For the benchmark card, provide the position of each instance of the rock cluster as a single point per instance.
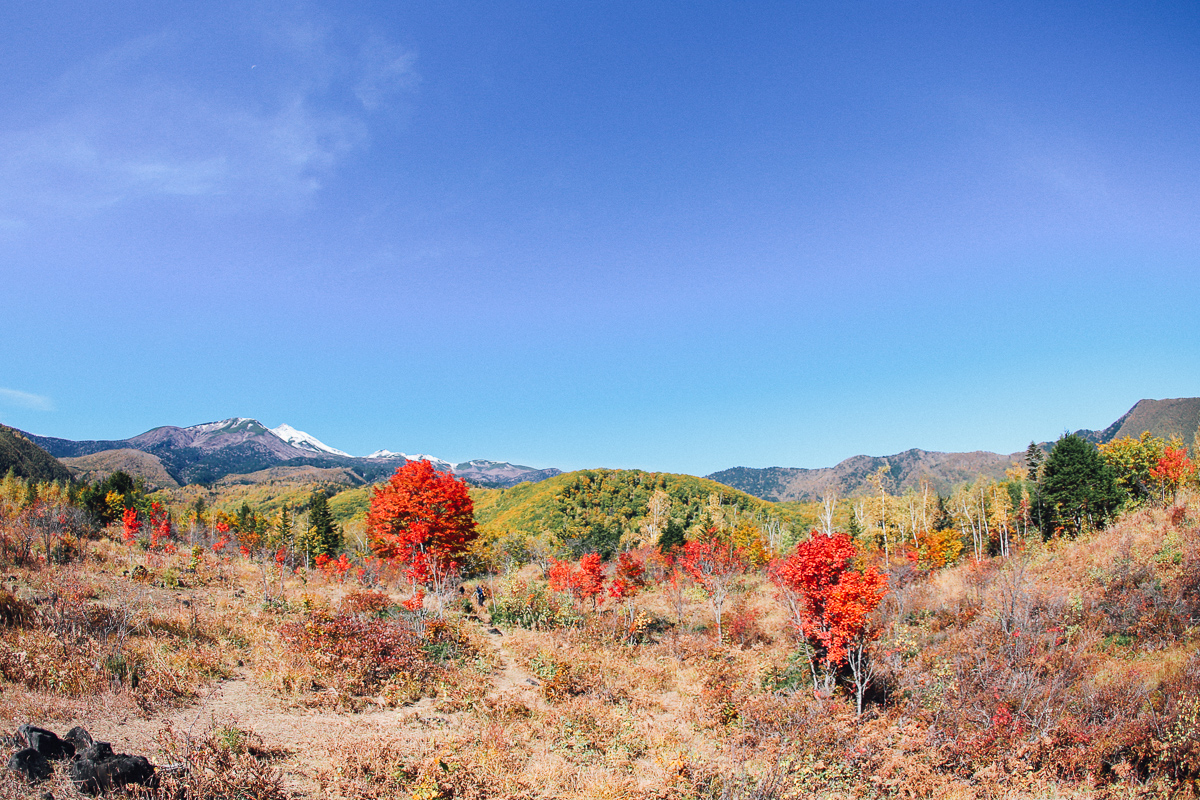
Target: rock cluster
(92, 766)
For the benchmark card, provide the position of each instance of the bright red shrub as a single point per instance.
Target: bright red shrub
(424, 520)
(831, 602)
(1172, 469)
(131, 525)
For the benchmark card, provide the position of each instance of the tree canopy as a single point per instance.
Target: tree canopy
(423, 519)
(1079, 490)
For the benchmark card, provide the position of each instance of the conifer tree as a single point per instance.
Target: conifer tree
(322, 537)
(1078, 488)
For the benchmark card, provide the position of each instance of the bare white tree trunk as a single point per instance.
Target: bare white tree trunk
(828, 506)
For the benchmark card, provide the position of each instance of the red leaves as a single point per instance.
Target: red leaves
(131, 525)
(830, 602)
(590, 578)
(585, 582)
(160, 524)
(712, 563)
(630, 578)
(1172, 468)
(423, 519)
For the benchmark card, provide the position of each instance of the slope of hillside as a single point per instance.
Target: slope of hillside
(1164, 418)
(26, 459)
(305, 473)
(592, 507)
(904, 470)
(98, 466)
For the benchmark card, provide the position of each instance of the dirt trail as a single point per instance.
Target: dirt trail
(513, 680)
(308, 734)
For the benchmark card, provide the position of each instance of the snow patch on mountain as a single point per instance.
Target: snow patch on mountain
(305, 441)
(440, 464)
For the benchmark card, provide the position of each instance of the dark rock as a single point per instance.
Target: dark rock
(45, 742)
(31, 764)
(495, 631)
(98, 777)
(99, 751)
(79, 737)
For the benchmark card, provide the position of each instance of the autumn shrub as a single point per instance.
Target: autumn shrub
(939, 548)
(376, 769)
(588, 730)
(357, 656)
(563, 677)
(1004, 681)
(745, 625)
(533, 605)
(1167, 746)
(223, 762)
(371, 602)
(449, 641)
(39, 660)
(14, 612)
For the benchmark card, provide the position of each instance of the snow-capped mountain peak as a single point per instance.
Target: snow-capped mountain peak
(305, 441)
(440, 464)
(386, 454)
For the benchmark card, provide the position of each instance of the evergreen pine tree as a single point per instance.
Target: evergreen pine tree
(1034, 458)
(672, 536)
(855, 528)
(322, 537)
(1078, 488)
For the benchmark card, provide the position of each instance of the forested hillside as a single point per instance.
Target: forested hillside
(601, 509)
(26, 459)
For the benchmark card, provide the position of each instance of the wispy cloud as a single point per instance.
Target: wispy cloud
(386, 71)
(33, 402)
(120, 128)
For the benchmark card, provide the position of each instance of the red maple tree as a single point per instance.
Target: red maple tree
(584, 581)
(629, 577)
(625, 585)
(423, 520)
(131, 524)
(1171, 469)
(830, 603)
(715, 566)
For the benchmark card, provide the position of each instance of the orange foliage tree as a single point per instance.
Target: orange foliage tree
(715, 566)
(1171, 470)
(628, 580)
(423, 520)
(584, 582)
(830, 604)
(131, 525)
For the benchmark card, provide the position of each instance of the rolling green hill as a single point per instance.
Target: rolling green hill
(595, 508)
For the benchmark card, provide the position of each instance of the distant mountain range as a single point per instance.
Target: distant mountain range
(244, 450)
(1165, 418)
(173, 456)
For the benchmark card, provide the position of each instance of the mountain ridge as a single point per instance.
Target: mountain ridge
(1170, 417)
(211, 451)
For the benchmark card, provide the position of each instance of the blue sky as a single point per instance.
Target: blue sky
(672, 236)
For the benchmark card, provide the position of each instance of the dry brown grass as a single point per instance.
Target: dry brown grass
(1067, 671)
